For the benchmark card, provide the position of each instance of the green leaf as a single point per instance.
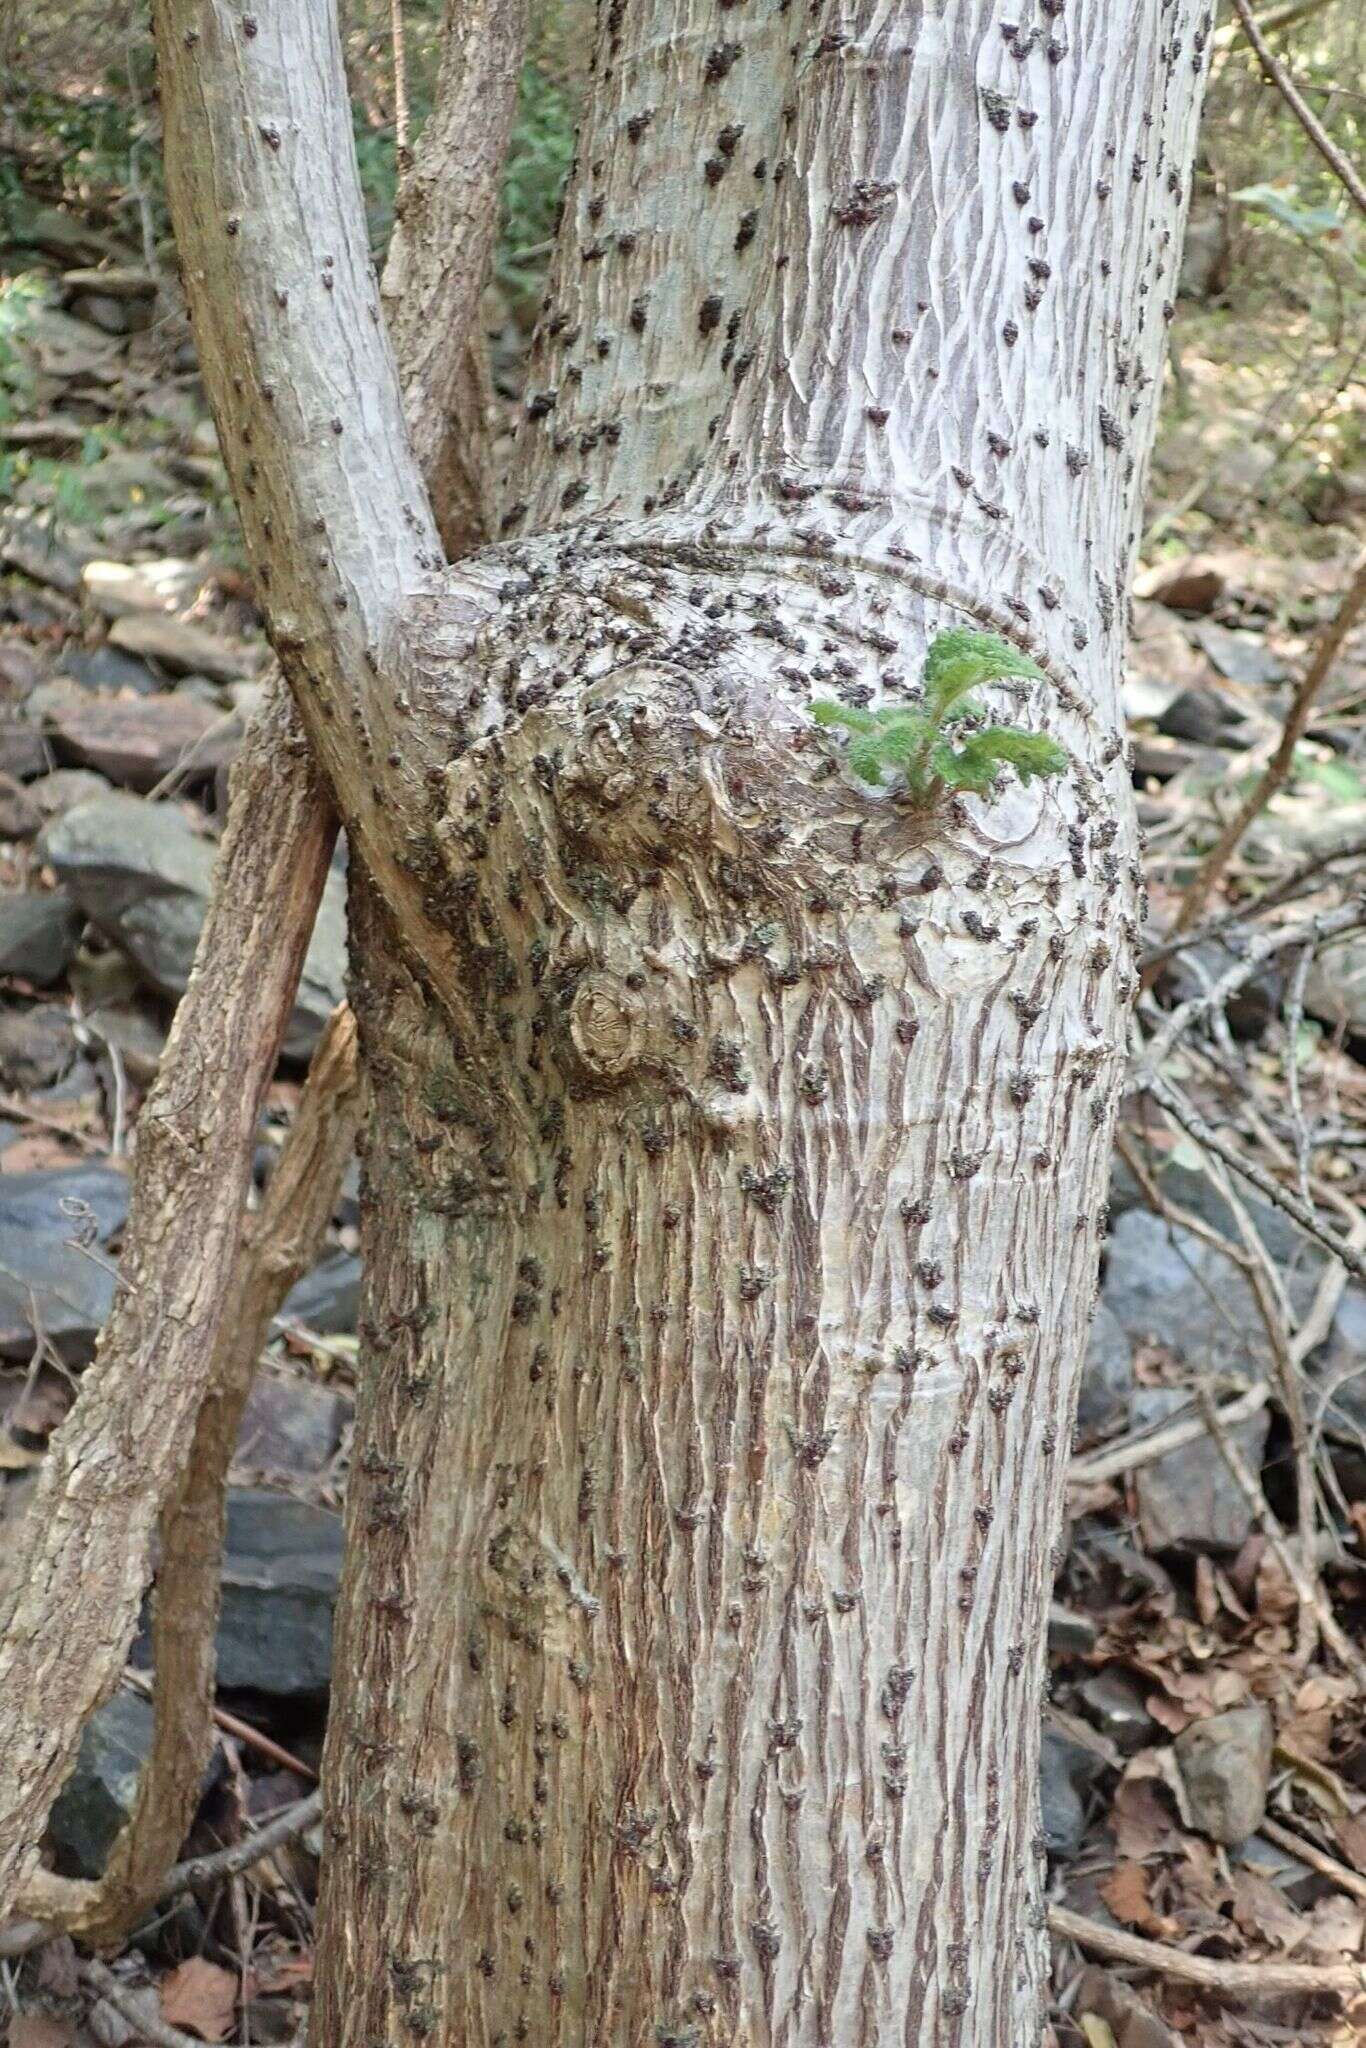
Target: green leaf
(1030, 754)
(826, 711)
(958, 661)
(1308, 221)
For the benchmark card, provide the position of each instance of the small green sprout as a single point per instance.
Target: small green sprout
(918, 742)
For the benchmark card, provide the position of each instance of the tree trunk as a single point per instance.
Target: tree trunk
(733, 1196)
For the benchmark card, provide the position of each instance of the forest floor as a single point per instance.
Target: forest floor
(1204, 1774)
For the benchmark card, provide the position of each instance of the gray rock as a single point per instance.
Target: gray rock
(98, 1797)
(1225, 1765)
(1115, 1705)
(1066, 1774)
(54, 794)
(1107, 1376)
(1199, 715)
(20, 817)
(184, 649)
(1165, 1285)
(281, 1571)
(289, 1426)
(37, 1046)
(42, 1267)
(141, 874)
(39, 932)
(1189, 1500)
(137, 742)
(1242, 657)
(327, 1299)
(108, 668)
(1339, 1387)
(1070, 1633)
(47, 1201)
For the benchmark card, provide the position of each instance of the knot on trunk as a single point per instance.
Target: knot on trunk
(606, 1028)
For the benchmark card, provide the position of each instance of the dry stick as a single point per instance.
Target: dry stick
(83, 1552)
(1270, 899)
(1321, 662)
(1340, 165)
(1190, 1120)
(120, 1996)
(402, 123)
(281, 1243)
(1307, 1588)
(1135, 1451)
(1251, 1981)
(1318, 1859)
(196, 1874)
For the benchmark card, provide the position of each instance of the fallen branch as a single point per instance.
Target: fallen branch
(1317, 1859)
(1278, 770)
(1135, 1451)
(196, 1874)
(129, 2007)
(1251, 1981)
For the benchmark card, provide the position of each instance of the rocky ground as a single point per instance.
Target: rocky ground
(1204, 1769)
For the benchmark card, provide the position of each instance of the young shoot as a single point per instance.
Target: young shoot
(926, 745)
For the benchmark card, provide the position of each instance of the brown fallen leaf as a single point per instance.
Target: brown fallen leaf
(1125, 1892)
(201, 1998)
(38, 2030)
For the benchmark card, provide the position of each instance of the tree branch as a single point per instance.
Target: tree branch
(445, 221)
(1340, 165)
(1278, 771)
(265, 196)
(83, 1550)
(280, 1243)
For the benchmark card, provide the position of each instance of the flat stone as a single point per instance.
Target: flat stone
(1165, 1285)
(62, 789)
(1242, 657)
(59, 1199)
(182, 648)
(107, 668)
(1070, 1634)
(20, 817)
(1107, 1375)
(1189, 1500)
(97, 1799)
(119, 589)
(289, 1426)
(1225, 1765)
(281, 1570)
(1200, 715)
(1067, 1771)
(118, 280)
(39, 932)
(327, 1299)
(72, 1291)
(1336, 988)
(1194, 583)
(24, 753)
(137, 742)
(141, 874)
(37, 1045)
(30, 545)
(1114, 1704)
(111, 313)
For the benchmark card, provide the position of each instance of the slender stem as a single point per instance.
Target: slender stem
(1340, 165)
(1278, 771)
(1234, 1980)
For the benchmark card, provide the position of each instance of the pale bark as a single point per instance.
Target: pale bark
(444, 225)
(83, 1553)
(732, 1209)
(274, 859)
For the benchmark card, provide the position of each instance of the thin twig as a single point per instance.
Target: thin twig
(1249, 1981)
(1132, 1452)
(402, 117)
(1278, 770)
(1308, 1590)
(1314, 931)
(1270, 899)
(195, 1874)
(1184, 1113)
(1318, 1859)
(1340, 165)
(145, 2027)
